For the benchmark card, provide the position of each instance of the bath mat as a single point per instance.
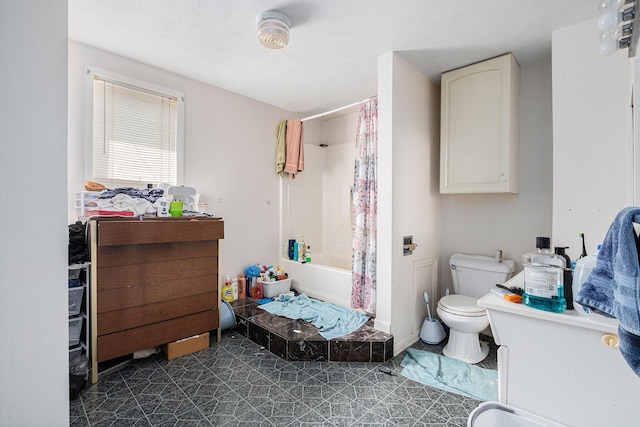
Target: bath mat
(450, 374)
(332, 320)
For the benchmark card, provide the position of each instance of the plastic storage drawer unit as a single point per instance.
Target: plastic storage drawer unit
(75, 300)
(74, 353)
(75, 327)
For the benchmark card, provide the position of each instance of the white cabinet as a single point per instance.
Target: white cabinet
(479, 127)
(560, 366)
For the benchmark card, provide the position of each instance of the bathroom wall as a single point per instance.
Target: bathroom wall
(592, 148)
(408, 197)
(231, 164)
(34, 325)
(482, 223)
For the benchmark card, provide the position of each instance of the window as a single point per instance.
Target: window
(136, 132)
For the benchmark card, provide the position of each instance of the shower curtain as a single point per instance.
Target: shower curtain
(364, 210)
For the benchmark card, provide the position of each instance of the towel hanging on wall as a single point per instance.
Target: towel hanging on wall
(295, 148)
(281, 146)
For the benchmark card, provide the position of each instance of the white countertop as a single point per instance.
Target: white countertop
(492, 301)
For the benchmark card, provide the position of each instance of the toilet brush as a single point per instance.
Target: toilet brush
(432, 331)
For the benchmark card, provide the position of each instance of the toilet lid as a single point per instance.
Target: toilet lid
(461, 305)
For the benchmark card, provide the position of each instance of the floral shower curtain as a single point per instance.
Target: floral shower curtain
(364, 210)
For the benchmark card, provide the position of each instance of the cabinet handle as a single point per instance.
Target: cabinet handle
(611, 340)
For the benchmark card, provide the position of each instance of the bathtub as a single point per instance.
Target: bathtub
(324, 282)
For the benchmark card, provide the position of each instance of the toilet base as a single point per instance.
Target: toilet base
(466, 347)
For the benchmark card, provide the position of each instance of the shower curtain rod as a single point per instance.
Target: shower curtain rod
(326, 113)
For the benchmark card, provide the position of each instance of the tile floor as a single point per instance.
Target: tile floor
(236, 382)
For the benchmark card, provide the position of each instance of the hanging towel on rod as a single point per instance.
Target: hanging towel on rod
(281, 146)
(613, 287)
(295, 148)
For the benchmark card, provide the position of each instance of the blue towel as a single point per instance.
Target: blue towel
(450, 374)
(613, 287)
(333, 321)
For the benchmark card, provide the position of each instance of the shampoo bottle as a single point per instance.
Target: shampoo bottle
(544, 278)
(234, 285)
(296, 247)
(301, 249)
(259, 289)
(242, 286)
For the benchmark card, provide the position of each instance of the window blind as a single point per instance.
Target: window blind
(134, 134)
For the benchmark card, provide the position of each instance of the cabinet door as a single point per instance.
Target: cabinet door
(479, 127)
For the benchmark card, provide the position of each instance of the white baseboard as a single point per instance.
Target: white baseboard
(400, 346)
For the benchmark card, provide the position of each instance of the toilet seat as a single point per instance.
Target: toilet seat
(461, 305)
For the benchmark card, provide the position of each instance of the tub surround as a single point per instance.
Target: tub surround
(566, 352)
(321, 282)
(297, 340)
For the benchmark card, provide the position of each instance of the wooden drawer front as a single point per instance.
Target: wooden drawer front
(133, 317)
(135, 296)
(109, 256)
(132, 340)
(155, 272)
(115, 233)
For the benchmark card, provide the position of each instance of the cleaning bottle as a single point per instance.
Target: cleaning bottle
(567, 276)
(227, 290)
(544, 278)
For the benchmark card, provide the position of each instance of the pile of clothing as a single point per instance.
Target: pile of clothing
(129, 199)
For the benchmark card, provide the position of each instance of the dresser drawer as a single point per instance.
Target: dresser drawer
(143, 315)
(149, 231)
(126, 342)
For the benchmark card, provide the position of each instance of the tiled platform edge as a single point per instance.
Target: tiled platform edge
(297, 340)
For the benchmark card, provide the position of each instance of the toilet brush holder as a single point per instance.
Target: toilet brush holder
(432, 331)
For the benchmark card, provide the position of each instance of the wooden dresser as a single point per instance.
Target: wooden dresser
(154, 281)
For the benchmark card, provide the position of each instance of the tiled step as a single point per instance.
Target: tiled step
(297, 340)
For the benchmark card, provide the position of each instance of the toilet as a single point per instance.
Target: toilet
(473, 277)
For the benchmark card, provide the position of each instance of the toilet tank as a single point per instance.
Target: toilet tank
(475, 275)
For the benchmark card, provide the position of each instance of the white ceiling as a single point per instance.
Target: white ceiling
(331, 59)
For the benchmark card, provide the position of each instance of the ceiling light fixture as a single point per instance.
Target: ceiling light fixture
(273, 29)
